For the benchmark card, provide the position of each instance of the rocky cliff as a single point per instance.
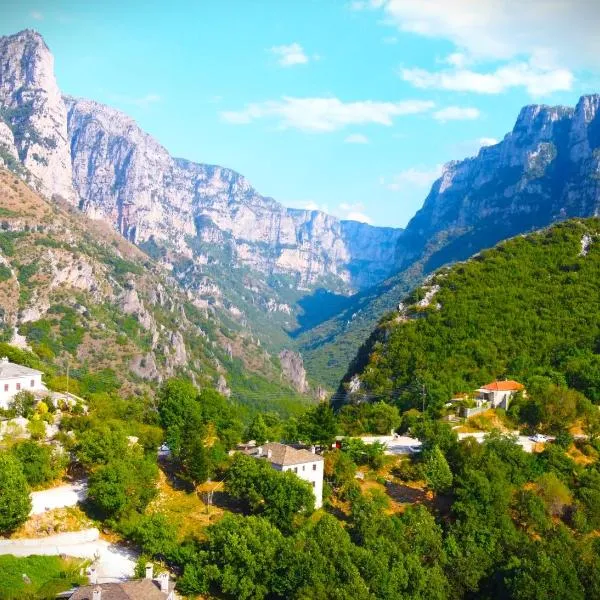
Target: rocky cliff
(123, 175)
(33, 124)
(546, 169)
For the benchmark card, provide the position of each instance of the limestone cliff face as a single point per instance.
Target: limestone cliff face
(33, 126)
(292, 368)
(546, 169)
(122, 174)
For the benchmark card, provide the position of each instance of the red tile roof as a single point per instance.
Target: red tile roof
(504, 386)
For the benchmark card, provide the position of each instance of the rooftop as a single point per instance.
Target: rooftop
(503, 386)
(138, 589)
(283, 455)
(9, 370)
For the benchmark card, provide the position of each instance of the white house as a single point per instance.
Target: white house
(304, 463)
(498, 393)
(16, 378)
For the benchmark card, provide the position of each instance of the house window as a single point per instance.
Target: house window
(32, 383)
(304, 467)
(6, 387)
(314, 466)
(18, 386)
(295, 469)
(313, 484)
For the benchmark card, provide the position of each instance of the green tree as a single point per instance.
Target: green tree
(101, 444)
(15, 503)
(319, 425)
(23, 404)
(436, 470)
(122, 486)
(258, 430)
(39, 463)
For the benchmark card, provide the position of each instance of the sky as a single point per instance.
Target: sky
(348, 106)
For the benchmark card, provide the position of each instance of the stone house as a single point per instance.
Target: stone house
(498, 393)
(149, 588)
(17, 378)
(306, 464)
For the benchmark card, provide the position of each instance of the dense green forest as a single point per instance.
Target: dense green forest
(529, 307)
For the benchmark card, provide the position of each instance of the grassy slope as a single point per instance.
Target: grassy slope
(49, 576)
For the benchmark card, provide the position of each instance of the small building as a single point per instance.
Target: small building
(150, 588)
(17, 378)
(498, 393)
(306, 464)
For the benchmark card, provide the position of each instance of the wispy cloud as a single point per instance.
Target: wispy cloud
(141, 101)
(325, 114)
(356, 138)
(290, 55)
(414, 177)
(536, 80)
(353, 212)
(472, 147)
(456, 113)
(504, 29)
(36, 15)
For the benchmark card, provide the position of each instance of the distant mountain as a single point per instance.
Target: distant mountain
(529, 307)
(546, 170)
(76, 292)
(229, 246)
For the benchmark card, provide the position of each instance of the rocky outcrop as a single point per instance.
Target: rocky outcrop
(292, 368)
(32, 108)
(546, 169)
(125, 176)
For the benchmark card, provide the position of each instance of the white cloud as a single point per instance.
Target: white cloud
(353, 212)
(290, 55)
(487, 141)
(36, 15)
(325, 114)
(536, 80)
(456, 113)
(140, 102)
(356, 138)
(358, 216)
(472, 147)
(415, 177)
(312, 205)
(504, 29)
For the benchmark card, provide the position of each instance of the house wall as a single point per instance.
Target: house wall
(9, 387)
(311, 472)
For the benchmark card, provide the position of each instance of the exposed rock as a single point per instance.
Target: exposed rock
(292, 367)
(145, 367)
(34, 111)
(222, 387)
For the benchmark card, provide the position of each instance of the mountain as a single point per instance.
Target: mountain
(546, 170)
(529, 307)
(76, 292)
(232, 248)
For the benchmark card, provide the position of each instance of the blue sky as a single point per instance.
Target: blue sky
(348, 106)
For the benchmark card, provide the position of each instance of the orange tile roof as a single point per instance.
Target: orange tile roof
(504, 386)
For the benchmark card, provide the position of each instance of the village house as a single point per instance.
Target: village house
(150, 588)
(304, 463)
(16, 378)
(499, 393)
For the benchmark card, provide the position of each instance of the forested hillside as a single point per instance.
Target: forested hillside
(527, 307)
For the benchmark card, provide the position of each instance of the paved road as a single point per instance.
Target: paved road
(58, 497)
(395, 444)
(112, 561)
(523, 440)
